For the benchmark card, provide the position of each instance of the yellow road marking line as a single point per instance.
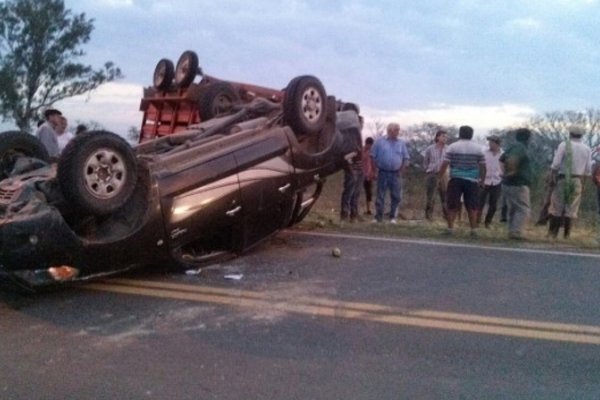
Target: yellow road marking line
(377, 308)
(358, 311)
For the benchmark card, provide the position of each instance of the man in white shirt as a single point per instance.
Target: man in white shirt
(62, 135)
(572, 163)
(47, 132)
(492, 185)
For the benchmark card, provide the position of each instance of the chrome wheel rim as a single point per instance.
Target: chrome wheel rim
(312, 104)
(105, 173)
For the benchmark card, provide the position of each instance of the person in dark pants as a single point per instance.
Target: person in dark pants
(353, 178)
(596, 178)
(369, 173)
(596, 173)
(492, 186)
(351, 191)
(467, 171)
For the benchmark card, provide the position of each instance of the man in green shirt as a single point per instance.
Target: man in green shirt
(515, 183)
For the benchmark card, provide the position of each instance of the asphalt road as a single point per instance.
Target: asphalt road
(389, 319)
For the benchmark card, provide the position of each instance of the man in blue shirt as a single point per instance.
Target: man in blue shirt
(391, 157)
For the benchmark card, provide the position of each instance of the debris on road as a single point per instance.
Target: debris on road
(193, 272)
(336, 252)
(234, 277)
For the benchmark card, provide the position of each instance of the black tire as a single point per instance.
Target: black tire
(15, 144)
(164, 72)
(217, 99)
(186, 69)
(97, 172)
(305, 105)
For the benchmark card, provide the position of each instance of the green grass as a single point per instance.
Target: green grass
(325, 216)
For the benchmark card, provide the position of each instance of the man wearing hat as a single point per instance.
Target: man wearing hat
(47, 132)
(490, 192)
(572, 163)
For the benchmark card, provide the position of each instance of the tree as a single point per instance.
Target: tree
(133, 134)
(40, 44)
(552, 128)
(90, 125)
(377, 129)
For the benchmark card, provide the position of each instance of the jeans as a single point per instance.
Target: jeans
(518, 203)
(387, 181)
(353, 179)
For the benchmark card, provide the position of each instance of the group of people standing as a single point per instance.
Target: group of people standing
(53, 134)
(465, 175)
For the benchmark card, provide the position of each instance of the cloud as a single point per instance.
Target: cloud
(481, 118)
(383, 54)
(528, 24)
(115, 106)
(577, 2)
(113, 3)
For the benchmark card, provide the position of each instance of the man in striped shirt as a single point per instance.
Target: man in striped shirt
(467, 172)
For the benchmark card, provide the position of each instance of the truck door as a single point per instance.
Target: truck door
(266, 187)
(207, 213)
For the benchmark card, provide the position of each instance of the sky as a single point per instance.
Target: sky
(488, 64)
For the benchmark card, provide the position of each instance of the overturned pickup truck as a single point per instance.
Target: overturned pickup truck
(217, 187)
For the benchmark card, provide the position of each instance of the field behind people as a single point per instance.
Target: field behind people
(412, 222)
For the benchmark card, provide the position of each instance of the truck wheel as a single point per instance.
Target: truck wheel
(15, 144)
(186, 69)
(305, 105)
(217, 99)
(164, 72)
(97, 172)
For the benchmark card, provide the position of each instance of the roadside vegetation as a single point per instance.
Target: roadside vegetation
(412, 223)
(549, 129)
